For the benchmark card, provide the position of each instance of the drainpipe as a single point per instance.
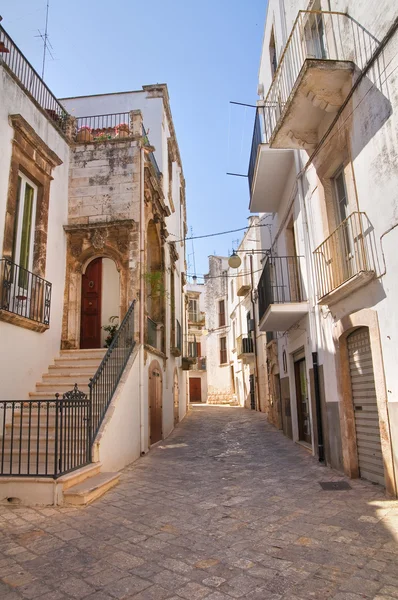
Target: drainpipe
(312, 314)
(142, 319)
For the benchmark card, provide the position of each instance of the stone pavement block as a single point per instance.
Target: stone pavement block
(126, 587)
(75, 587)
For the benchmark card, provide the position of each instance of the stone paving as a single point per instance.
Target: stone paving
(226, 507)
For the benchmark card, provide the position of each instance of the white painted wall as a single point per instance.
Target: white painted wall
(110, 295)
(24, 354)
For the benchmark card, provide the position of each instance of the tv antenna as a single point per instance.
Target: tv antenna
(46, 42)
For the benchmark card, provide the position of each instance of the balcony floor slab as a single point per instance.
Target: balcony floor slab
(280, 317)
(319, 91)
(270, 174)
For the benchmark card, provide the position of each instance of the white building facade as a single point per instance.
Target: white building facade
(324, 168)
(88, 209)
(197, 342)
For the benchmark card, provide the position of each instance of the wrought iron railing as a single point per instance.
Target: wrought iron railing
(201, 363)
(106, 379)
(151, 155)
(281, 282)
(45, 438)
(317, 35)
(31, 81)
(261, 135)
(244, 345)
(178, 335)
(348, 251)
(100, 128)
(24, 293)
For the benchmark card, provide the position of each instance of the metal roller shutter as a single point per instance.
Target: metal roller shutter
(365, 406)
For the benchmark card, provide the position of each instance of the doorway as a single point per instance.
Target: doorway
(303, 404)
(366, 414)
(155, 394)
(176, 399)
(90, 324)
(195, 389)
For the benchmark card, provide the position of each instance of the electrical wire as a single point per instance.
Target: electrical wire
(200, 237)
(241, 274)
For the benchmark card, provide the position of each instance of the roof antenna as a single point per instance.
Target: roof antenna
(46, 42)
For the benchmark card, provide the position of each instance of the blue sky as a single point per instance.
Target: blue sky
(208, 53)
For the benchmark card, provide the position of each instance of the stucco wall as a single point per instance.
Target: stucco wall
(25, 355)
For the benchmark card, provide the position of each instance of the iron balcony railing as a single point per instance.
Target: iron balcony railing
(348, 251)
(31, 81)
(178, 334)
(105, 381)
(152, 333)
(23, 293)
(45, 438)
(261, 135)
(244, 345)
(316, 35)
(201, 364)
(99, 128)
(151, 155)
(280, 282)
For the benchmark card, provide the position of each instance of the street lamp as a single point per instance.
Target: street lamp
(234, 260)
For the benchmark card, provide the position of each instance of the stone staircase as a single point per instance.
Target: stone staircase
(222, 398)
(34, 433)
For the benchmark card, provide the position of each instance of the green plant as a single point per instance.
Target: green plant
(155, 283)
(111, 329)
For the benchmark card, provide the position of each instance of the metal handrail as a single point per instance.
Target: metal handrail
(102, 127)
(45, 438)
(244, 345)
(106, 379)
(346, 252)
(23, 293)
(31, 81)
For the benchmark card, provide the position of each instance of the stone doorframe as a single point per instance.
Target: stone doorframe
(344, 327)
(86, 243)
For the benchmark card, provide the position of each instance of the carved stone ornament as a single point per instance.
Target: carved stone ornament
(76, 250)
(98, 238)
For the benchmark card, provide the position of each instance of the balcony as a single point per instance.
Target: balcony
(201, 364)
(268, 168)
(324, 53)
(346, 260)
(245, 349)
(30, 81)
(243, 285)
(154, 334)
(25, 298)
(281, 293)
(196, 317)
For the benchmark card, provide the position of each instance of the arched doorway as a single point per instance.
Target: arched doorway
(364, 400)
(176, 399)
(155, 395)
(100, 301)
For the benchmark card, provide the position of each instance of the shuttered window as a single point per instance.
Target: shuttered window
(223, 350)
(221, 313)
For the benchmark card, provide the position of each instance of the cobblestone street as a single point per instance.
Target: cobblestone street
(226, 507)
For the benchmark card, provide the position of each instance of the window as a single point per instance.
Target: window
(232, 291)
(193, 310)
(221, 313)
(223, 350)
(340, 191)
(272, 53)
(24, 228)
(192, 349)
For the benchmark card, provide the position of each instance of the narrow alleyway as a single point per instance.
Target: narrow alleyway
(225, 508)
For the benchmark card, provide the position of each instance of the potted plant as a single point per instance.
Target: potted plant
(122, 130)
(84, 134)
(111, 329)
(101, 136)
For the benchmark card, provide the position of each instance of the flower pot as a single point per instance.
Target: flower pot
(122, 133)
(122, 130)
(84, 135)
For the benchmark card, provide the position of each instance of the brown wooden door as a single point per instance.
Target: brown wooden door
(303, 404)
(90, 330)
(195, 389)
(155, 402)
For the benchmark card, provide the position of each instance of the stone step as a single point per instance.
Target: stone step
(87, 491)
(80, 475)
(60, 388)
(73, 367)
(67, 378)
(97, 353)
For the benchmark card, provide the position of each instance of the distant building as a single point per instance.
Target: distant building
(197, 342)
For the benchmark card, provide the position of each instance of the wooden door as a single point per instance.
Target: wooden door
(195, 389)
(90, 329)
(303, 404)
(155, 402)
(366, 414)
(176, 398)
